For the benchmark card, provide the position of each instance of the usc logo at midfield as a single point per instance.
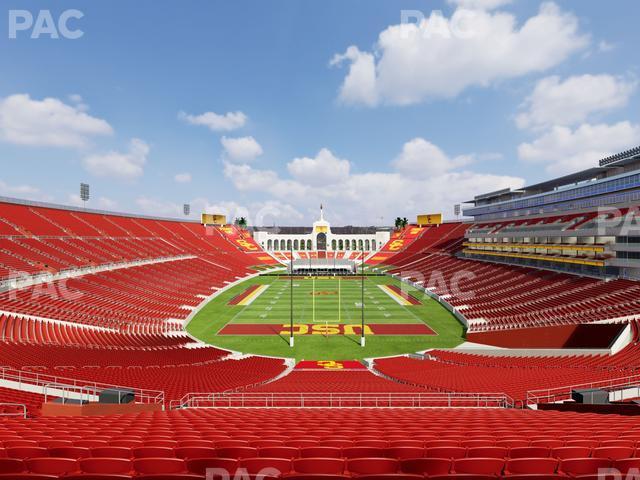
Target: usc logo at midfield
(330, 365)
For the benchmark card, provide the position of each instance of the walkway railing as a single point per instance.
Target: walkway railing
(62, 387)
(13, 410)
(343, 400)
(559, 394)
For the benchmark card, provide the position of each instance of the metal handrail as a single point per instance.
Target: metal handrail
(79, 386)
(21, 405)
(344, 399)
(551, 395)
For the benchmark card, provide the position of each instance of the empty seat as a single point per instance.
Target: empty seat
(582, 466)
(529, 452)
(51, 465)
(480, 466)
(531, 465)
(200, 465)
(159, 465)
(359, 466)
(105, 465)
(320, 452)
(446, 452)
(426, 466)
(70, 452)
(319, 465)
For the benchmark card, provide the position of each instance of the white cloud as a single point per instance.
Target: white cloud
(479, 4)
(604, 46)
(27, 191)
(75, 200)
(241, 149)
(103, 203)
(47, 123)
(564, 150)
(107, 203)
(125, 165)
(422, 159)
(322, 169)
(360, 84)
(368, 196)
(571, 101)
(182, 177)
(267, 212)
(161, 208)
(216, 122)
(440, 57)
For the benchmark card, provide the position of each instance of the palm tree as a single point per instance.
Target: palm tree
(405, 222)
(242, 223)
(398, 223)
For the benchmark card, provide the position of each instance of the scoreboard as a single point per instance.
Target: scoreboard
(430, 219)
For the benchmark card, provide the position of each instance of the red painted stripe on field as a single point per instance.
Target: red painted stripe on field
(238, 298)
(326, 329)
(407, 296)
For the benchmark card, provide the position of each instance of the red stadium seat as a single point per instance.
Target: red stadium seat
(613, 453)
(237, 452)
(200, 465)
(52, 465)
(426, 466)
(321, 452)
(70, 452)
(582, 466)
(529, 452)
(479, 466)
(265, 465)
(531, 466)
(11, 465)
(487, 452)
(27, 452)
(153, 452)
(319, 465)
(359, 466)
(405, 452)
(570, 452)
(361, 452)
(106, 465)
(446, 452)
(112, 452)
(160, 465)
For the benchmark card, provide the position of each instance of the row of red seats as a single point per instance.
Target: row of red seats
(327, 381)
(284, 467)
(164, 448)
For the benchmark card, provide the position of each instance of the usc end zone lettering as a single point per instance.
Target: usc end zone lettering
(325, 329)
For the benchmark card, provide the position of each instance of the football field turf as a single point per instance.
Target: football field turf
(254, 317)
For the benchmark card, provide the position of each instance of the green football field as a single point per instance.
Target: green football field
(327, 315)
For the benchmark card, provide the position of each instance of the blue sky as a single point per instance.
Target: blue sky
(268, 108)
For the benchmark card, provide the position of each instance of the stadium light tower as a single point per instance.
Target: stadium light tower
(84, 193)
